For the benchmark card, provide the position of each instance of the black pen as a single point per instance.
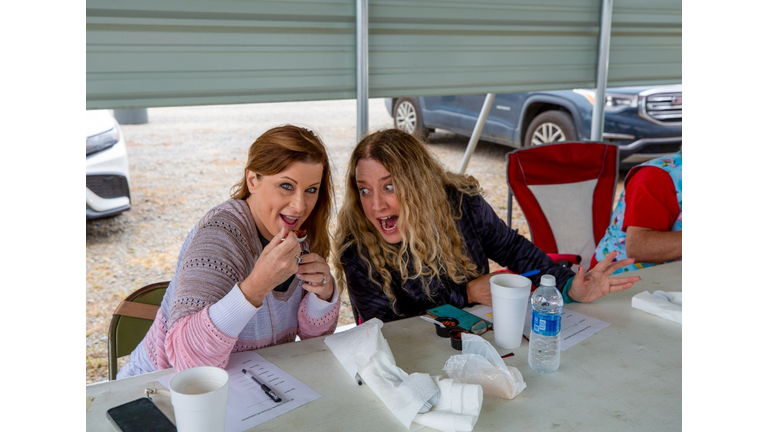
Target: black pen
(264, 387)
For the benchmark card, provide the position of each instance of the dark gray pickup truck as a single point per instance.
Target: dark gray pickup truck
(646, 122)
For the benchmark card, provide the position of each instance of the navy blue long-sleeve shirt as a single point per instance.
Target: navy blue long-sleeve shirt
(486, 237)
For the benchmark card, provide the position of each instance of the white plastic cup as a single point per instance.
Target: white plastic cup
(510, 294)
(199, 399)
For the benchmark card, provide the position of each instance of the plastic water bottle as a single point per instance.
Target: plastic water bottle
(546, 313)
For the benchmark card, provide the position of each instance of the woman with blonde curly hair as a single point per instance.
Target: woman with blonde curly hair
(244, 280)
(412, 236)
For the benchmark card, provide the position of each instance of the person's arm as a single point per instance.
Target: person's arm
(507, 248)
(479, 290)
(194, 340)
(278, 261)
(651, 211)
(598, 282)
(647, 245)
(319, 317)
(211, 306)
(368, 300)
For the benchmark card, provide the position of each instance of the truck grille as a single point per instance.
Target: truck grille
(662, 148)
(664, 107)
(108, 186)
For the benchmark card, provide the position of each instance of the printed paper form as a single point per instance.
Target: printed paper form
(574, 327)
(247, 404)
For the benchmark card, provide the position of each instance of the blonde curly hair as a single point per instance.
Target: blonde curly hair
(432, 246)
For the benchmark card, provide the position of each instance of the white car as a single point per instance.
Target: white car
(107, 183)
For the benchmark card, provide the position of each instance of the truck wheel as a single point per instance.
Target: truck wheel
(550, 126)
(407, 116)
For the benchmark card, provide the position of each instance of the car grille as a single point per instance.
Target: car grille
(665, 107)
(108, 186)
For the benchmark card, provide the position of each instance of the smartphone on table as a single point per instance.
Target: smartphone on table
(466, 320)
(140, 415)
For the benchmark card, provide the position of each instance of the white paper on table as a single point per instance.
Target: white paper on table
(574, 327)
(247, 404)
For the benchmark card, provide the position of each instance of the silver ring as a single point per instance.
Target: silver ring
(325, 281)
(298, 259)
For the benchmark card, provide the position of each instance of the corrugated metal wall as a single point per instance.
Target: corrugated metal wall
(168, 53)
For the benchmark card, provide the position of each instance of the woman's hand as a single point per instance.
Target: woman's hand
(316, 274)
(277, 262)
(479, 290)
(597, 282)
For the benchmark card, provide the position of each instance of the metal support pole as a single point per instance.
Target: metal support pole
(478, 129)
(362, 69)
(598, 109)
(131, 116)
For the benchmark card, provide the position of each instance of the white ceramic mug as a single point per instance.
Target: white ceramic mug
(199, 398)
(510, 294)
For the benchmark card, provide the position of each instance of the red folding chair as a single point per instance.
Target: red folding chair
(566, 192)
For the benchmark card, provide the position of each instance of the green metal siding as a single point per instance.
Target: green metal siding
(168, 53)
(646, 43)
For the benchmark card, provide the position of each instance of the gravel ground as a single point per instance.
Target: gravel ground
(185, 160)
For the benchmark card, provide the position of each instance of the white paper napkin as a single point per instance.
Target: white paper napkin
(457, 409)
(448, 406)
(665, 304)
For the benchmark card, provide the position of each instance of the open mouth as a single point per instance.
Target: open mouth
(290, 221)
(388, 224)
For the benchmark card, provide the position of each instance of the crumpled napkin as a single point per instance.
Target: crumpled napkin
(417, 399)
(665, 304)
(480, 363)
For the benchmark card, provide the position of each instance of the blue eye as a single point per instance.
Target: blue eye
(312, 190)
(389, 188)
(286, 186)
(364, 191)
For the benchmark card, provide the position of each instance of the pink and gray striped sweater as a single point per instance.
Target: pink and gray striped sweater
(204, 316)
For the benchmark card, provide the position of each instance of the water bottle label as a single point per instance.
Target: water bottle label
(545, 324)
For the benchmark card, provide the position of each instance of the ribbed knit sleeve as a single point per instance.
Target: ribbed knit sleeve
(318, 317)
(195, 341)
(233, 312)
(220, 255)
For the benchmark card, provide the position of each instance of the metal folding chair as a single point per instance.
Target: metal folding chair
(131, 320)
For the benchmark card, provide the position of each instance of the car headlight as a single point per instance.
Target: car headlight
(613, 101)
(617, 102)
(102, 141)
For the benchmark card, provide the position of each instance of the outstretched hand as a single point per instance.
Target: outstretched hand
(597, 282)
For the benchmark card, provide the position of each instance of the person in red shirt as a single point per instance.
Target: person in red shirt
(647, 222)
